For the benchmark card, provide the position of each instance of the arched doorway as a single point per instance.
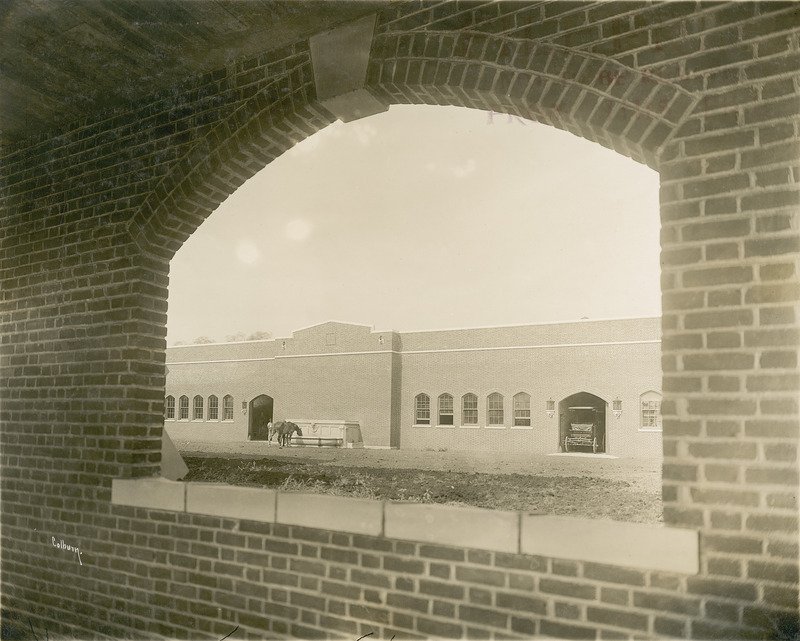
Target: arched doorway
(260, 412)
(582, 423)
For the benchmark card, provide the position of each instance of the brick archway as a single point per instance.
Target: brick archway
(94, 211)
(596, 98)
(595, 438)
(214, 160)
(593, 97)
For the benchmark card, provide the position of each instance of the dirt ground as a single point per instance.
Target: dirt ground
(587, 485)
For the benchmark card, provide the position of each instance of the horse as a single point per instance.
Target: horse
(284, 430)
(272, 429)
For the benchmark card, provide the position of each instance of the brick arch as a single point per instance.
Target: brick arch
(591, 96)
(594, 97)
(237, 148)
(83, 344)
(586, 389)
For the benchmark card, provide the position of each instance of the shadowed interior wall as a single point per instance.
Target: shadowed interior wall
(92, 214)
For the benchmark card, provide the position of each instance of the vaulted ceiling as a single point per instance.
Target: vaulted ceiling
(64, 60)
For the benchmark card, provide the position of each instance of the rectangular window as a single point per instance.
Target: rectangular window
(422, 410)
(522, 410)
(169, 408)
(469, 410)
(651, 414)
(445, 409)
(213, 408)
(495, 409)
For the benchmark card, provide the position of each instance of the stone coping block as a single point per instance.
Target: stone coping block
(633, 545)
(344, 514)
(614, 543)
(153, 493)
(469, 527)
(229, 501)
(340, 56)
(354, 105)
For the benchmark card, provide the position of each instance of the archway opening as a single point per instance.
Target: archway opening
(260, 417)
(423, 219)
(582, 423)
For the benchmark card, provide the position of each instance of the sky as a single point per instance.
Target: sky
(424, 217)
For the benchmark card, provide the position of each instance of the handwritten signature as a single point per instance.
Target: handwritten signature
(69, 548)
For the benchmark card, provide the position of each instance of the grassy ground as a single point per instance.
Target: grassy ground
(590, 489)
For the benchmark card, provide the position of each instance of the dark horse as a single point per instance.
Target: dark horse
(284, 430)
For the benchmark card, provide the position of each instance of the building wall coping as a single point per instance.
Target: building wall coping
(635, 545)
(357, 339)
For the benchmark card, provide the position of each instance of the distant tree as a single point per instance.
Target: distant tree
(203, 340)
(239, 337)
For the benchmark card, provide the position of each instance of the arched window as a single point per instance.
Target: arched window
(213, 408)
(494, 409)
(445, 409)
(469, 409)
(422, 409)
(651, 411)
(522, 409)
(183, 408)
(197, 415)
(227, 408)
(169, 408)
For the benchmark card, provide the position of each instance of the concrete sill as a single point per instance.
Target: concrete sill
(634, 545)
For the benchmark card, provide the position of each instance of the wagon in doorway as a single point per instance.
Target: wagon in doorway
(583, 429)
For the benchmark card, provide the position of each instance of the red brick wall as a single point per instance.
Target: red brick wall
(332, 371)
(198, 575)
(707, 95)
(548, 361)
(358, 378)
(351, 387)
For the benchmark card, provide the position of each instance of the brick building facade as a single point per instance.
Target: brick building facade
(429, 389)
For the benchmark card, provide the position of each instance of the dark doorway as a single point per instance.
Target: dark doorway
(260, 415)
(582, 423)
